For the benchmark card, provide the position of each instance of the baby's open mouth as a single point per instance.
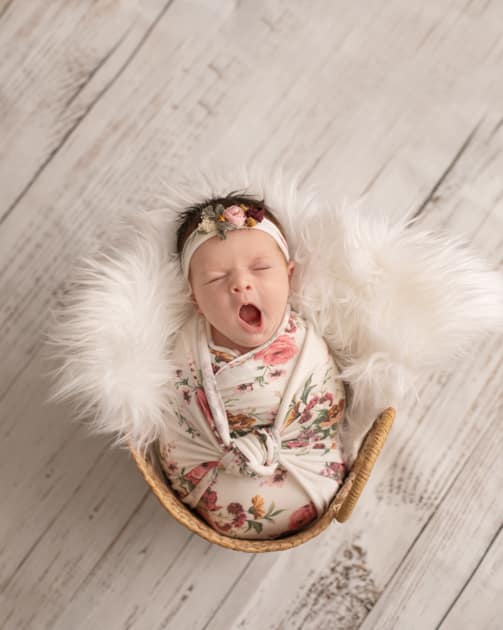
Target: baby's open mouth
(250, 314)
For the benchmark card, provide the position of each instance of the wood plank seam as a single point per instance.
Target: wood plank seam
(5, 8)
(109, 547)
(229, 592)
(461, 468)
(470, 577)
(449, 168)
(19, 566)
(86, 111)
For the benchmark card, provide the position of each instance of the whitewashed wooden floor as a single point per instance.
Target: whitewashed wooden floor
(400, 100)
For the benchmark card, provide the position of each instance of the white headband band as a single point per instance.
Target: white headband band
(210, 227)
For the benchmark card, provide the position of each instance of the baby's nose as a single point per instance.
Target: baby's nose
(240, 284)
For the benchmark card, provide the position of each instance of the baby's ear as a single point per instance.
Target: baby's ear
(194, 302)
(290, 267)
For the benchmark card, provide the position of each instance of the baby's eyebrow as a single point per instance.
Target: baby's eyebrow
(220, 271)
(209, 276)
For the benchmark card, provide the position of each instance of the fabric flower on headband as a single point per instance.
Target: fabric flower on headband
(221, 220)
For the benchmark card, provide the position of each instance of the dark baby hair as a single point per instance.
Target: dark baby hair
(190, 217)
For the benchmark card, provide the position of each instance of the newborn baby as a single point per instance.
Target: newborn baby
(252, 445)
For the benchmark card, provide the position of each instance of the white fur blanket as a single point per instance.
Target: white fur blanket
(390, 300)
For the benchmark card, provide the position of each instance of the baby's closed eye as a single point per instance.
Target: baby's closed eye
(216, 279)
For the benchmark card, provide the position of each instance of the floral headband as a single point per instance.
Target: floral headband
(217, 221)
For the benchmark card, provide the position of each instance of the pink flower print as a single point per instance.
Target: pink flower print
(276, 373)
(305, 417)
(209, 500)
(280, 351)
(279, 475)
(239, 514)
(296, 443)
(309, 434)
(235, 508)
(318, 445)
(235, 215)
(197, 473)
(314, 401)
(302, 516)
(276, 479)
(239, 520)
(335, 470)
(245, 387)
(327, 396)
(292, 326)
(202, 403)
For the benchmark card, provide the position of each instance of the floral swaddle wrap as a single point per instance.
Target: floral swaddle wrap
(252, 445)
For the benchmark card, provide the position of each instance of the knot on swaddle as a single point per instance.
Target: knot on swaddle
(260, 448)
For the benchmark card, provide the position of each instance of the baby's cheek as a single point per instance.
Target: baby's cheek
(280, 287)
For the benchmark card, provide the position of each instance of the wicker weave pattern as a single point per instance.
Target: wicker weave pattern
(340, 508)
(363, 464)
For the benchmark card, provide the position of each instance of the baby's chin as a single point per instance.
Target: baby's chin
(241, 342)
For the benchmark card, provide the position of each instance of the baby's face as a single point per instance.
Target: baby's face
(247, 268)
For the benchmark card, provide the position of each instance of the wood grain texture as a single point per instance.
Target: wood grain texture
(399, 102)
(482, 587)
(56, 64)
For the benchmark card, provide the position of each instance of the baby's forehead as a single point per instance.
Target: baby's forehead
(238, 245)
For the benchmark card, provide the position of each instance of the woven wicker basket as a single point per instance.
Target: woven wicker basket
(340, 508)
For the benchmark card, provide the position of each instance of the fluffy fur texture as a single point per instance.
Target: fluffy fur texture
(390, 299)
